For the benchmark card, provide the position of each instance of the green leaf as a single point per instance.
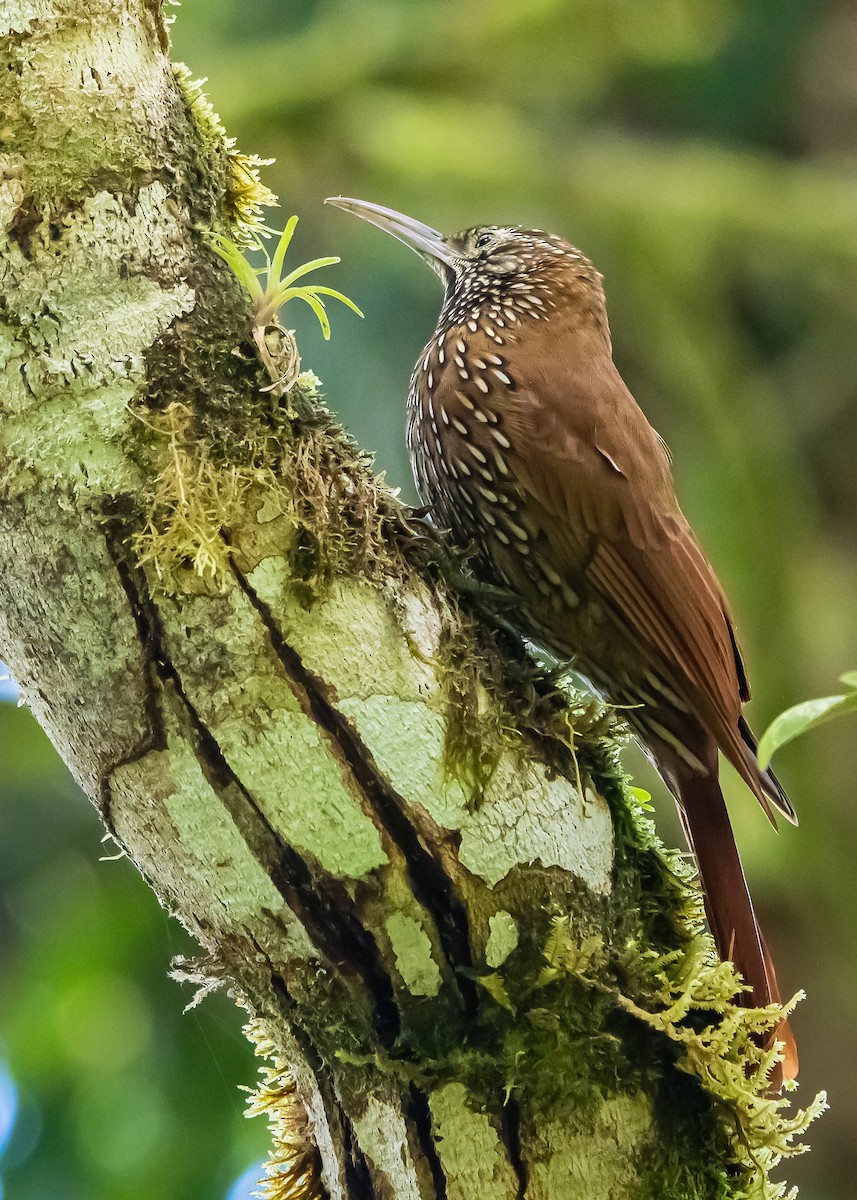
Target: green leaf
(276, 268)
(809, 715)
(317, 289)
(315, 304)
(643, 798)
(849, 679)
(496, 988)
(305, 268)
(233, 257)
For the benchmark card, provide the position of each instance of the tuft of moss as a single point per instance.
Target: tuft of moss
(315, 500)
(192, 500)
(685, 1018)
(244, 195)
(293, 1168)
(477, 729)
(499, 698)
(692, 999)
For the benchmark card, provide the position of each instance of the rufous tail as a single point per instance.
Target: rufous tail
(728, 906)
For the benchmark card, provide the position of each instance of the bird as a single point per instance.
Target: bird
(529, 449)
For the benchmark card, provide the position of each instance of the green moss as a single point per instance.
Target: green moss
(499, 699)
(316, 501)
(244, 195)
(687, 999)
(601, 1013)
(476, 732)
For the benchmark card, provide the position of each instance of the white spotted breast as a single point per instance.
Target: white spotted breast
(460, 447)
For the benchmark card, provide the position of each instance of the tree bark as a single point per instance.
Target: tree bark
(472, 969)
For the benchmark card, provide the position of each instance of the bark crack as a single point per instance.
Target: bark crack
(419, 1114)
(431, 885)
(289, 1012)
(358, 1177)
(155, 737)
(321, 904)
(510, 1131)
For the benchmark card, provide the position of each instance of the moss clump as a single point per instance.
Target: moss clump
(632, 1000)
(314, 498)
(667, 1018)
(193, 499)
(692, 1000)
(293, 1168)
(478, 730)
(243, 195)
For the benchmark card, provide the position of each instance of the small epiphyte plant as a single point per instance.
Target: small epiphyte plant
(270, 290)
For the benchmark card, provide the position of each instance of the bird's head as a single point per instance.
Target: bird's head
(488, 264)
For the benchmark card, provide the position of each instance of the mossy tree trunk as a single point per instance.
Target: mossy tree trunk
(449, 930)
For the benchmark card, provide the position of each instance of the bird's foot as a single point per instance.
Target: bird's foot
(452, 565)
(493, 603)
(414, 528)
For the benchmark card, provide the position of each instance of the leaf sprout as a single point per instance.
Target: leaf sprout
(270, 289)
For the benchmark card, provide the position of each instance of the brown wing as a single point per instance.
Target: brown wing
(593, 478)
(596, 477)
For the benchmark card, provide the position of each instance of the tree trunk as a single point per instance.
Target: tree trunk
(414, 861)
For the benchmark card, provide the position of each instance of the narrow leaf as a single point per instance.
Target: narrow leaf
(305, 268)
(276, 268)
(326, 291)
(238, 264)
(316, 306)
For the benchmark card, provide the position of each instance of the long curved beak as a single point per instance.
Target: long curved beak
(427, 242)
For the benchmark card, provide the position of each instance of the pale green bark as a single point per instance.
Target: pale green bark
(279, 748)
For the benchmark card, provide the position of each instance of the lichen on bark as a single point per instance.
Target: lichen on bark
(409, 853)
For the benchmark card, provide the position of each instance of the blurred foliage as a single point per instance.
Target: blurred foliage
(119, 1095)
(704, 154)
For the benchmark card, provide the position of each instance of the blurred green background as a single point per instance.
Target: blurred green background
(704, 154)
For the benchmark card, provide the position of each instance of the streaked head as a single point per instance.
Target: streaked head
(486, 264)
(482, 261)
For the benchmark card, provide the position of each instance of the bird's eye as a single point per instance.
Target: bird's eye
(483, 240)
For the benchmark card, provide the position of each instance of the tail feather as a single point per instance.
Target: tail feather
(764, 783)
(727, 900)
